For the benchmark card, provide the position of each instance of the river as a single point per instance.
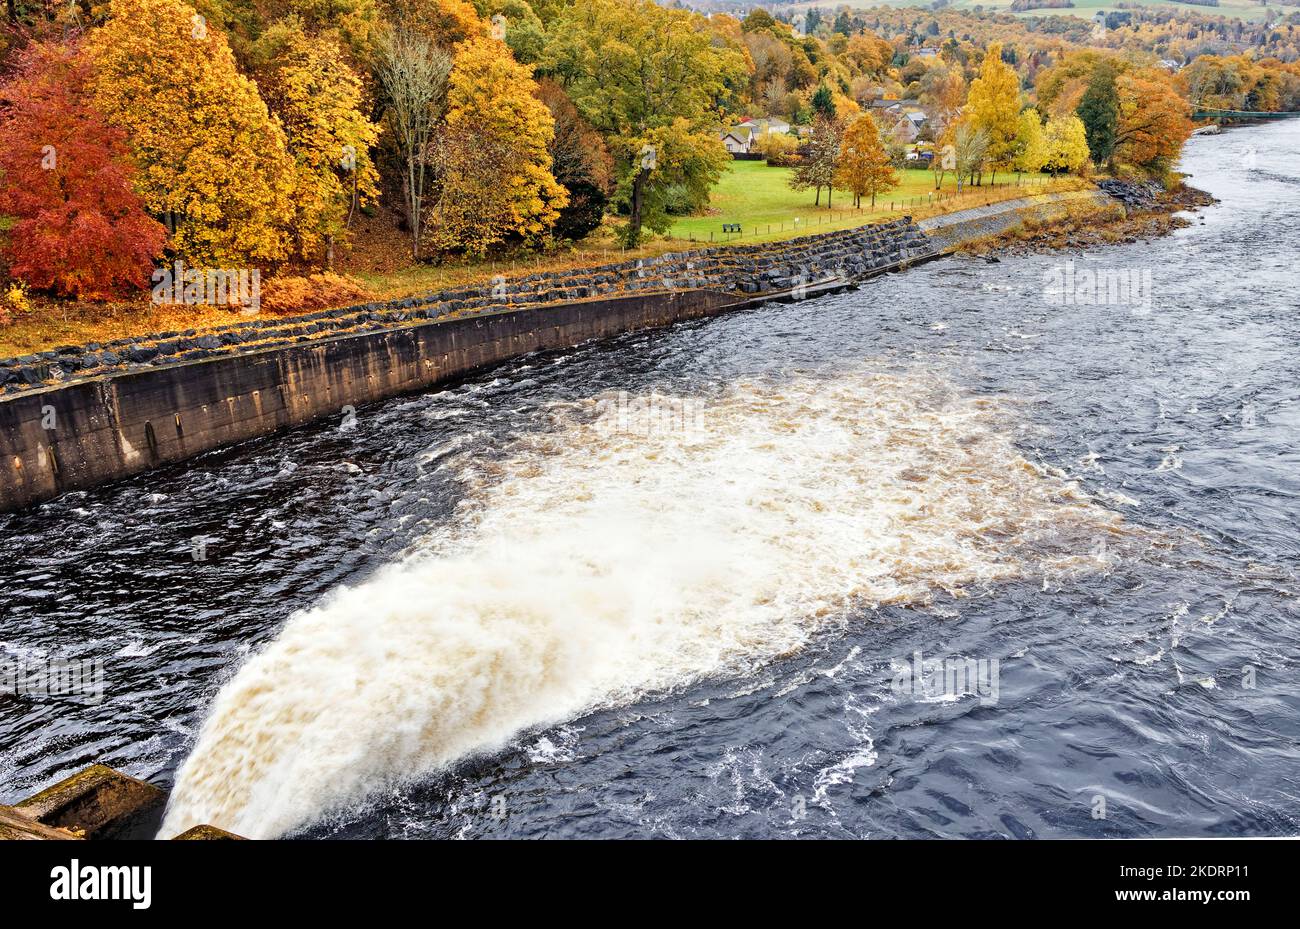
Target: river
(676, 585)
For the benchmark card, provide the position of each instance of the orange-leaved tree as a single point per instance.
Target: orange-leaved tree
(80, 229)
(1153, 120)
(214, 164)
(863, 167)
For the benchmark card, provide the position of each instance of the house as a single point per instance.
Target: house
(738, 141)
(765, 125)
(927, 51)
(904, 131)
(894, 107)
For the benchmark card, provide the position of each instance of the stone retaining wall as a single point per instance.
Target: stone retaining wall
(952, 230)
(743, 270)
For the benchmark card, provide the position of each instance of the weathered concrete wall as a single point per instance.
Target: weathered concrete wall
(89, 432)
(740, 269)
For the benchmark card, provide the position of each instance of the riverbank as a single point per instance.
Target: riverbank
(1149, 213)
(86, 415)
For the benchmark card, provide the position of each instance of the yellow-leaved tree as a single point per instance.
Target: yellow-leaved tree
(492, 164)
(1066, 144)
(1031, 145)
(993, 105)
(214, 166)
(318, 98)
(863, 167)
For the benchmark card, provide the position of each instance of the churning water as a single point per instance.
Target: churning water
(669, 586)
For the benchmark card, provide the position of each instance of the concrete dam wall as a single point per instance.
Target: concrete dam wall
(81, 416)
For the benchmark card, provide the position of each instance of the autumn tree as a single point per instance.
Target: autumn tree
(1153, 120)
(318, 99)
(413, 73)
(1031, 145)
(520, 26)
(993, 105)
(869, 53)
(775, 146)
(864, 168)
(649, 79)
(1060, 87)
(817, 169)
(213, 161)
(970, 150)
(445, 23)
(944, 94)
(492, 102)
(1066, 144)
(79, 229)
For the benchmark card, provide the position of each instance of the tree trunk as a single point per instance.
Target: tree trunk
(412, 206)
(638, 204)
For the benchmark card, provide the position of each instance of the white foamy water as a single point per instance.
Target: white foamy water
(598, 563)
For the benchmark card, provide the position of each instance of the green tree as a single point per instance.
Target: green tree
(1099, 111)
(817, 170)
(823, 102)
(650, 80)
(970, 144)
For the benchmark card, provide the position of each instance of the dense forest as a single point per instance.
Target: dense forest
(255, 133)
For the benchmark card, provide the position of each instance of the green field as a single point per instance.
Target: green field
(1085, 9)
(759, 198)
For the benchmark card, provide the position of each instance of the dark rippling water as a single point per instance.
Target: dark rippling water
(1129, 683)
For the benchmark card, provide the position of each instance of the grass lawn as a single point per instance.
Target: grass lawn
(759, 198)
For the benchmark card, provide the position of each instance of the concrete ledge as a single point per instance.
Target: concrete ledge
(953, 230)
(87, 433)
(97, 803)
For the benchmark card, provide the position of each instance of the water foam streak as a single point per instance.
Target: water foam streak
(597, 565)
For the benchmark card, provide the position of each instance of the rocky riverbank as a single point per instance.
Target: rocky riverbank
(1150, 211)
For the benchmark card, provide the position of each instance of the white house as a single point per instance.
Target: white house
(738, 140)
(765, 125)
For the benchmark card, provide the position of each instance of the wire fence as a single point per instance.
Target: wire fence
(969, 197)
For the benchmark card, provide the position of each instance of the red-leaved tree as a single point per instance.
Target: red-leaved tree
(65, 175)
